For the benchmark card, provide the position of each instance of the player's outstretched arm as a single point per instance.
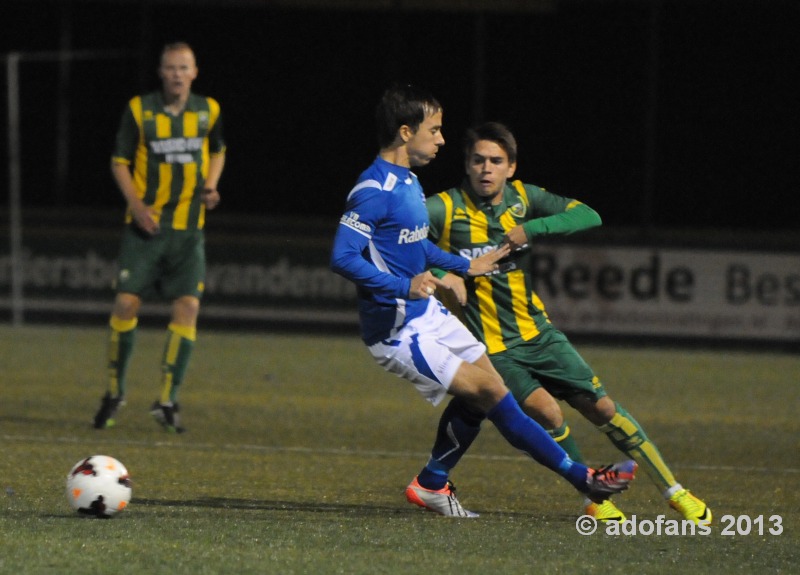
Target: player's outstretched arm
(487, 263)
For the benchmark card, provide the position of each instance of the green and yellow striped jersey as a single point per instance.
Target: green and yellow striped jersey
(503, 310)
(169, 155)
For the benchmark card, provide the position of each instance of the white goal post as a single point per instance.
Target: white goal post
(12, 61)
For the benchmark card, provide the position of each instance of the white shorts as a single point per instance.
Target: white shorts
(429, 350)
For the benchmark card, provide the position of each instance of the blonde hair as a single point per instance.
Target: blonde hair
(176, 47)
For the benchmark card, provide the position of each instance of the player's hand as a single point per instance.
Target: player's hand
(457, 285)
(210, 198)
(516, 238)
(487, 263)
(423, 285)
(145, 218)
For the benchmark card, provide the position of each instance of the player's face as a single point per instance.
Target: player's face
(177, 71)
(488, 168)
(423, 144)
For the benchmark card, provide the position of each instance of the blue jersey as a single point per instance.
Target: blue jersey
(382, 242)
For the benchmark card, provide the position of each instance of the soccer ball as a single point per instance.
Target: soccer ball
(98, 486)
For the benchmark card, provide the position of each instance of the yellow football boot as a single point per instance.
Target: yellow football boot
(690, 507)
(605, 511)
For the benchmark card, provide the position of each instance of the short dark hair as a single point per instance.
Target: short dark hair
(493, 132)
(402, 105)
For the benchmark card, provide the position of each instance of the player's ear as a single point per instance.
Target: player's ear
(512, 167)
(406, 133)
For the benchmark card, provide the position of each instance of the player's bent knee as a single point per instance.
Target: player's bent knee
(606, 408)
(185, 310)
(544, 409)
(480, 388)
(597, 411)
(490, 391)
(126, 306)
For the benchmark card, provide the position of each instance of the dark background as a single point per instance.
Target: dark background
(664, 114)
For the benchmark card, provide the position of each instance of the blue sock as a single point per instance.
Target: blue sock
(458, 427)
(432, 477)
(526, 435)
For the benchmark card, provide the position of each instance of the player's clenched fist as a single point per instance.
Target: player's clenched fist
(210, 198)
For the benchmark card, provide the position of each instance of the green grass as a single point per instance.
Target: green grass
(299, 449)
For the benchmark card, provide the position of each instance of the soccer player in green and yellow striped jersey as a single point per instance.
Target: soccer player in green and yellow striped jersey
(536, 360)
(167, 162)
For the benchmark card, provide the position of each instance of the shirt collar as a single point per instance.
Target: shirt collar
(162, 102)
(480, 201)
(401, 172)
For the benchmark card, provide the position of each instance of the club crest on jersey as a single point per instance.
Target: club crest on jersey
(517, 210)
(416, 235)
(202, 121)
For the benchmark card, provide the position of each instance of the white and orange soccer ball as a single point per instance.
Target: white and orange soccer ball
(98, 486)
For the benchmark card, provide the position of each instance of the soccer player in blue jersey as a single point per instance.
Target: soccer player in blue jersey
(381, 245)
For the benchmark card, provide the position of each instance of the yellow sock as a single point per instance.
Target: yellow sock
(120, 348)
(175, 360)
(629, 437)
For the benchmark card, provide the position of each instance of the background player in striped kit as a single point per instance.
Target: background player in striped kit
(536, 360)
(167, 162)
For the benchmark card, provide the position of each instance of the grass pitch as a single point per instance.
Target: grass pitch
(299, 449)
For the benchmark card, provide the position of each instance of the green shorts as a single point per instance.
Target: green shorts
(169, 265)
(547, 361)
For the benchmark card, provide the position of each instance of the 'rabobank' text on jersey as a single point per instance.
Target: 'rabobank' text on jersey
(382, 242)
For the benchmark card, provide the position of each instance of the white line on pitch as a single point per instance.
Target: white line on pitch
(341, 451)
